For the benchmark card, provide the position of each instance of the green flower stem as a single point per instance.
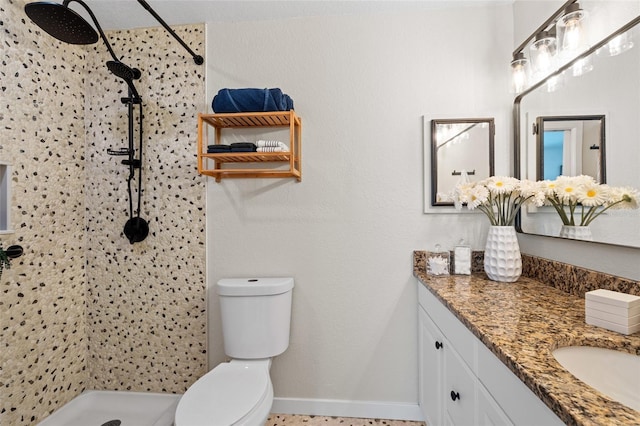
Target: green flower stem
(559, 206)
(503, 208)
(594, 213)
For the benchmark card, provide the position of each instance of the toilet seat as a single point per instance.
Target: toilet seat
(225, 395)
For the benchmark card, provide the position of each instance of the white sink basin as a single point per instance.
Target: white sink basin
(613, 373)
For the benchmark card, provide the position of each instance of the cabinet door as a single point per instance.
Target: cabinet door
(489, 412)
(430, 368)
(460, 389)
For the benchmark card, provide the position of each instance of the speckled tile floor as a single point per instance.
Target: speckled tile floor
(296, 420)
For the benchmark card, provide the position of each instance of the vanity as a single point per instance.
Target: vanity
(485, 348)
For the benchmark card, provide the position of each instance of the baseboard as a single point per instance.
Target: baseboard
(344, 408)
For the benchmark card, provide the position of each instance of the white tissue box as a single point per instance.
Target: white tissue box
(613, 326)
(462, 260)
(615, 298)
(613, 318)
(613, 310)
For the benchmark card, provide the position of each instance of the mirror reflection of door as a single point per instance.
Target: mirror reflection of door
(460, 149)
(571, 146)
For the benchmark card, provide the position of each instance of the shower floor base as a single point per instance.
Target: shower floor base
(95, 408)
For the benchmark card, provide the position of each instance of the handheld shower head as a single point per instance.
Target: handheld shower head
(126, 73)
(61, 22)
(123, 71)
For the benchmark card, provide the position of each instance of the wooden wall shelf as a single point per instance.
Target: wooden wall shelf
(254, 164)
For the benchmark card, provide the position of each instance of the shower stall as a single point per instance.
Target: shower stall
(127, 285)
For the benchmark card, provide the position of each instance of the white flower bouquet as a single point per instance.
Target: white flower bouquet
(499, 197)
(579, 200)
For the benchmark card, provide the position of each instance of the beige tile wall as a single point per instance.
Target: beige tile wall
(83, 308)
(43, 335)
(146, 301)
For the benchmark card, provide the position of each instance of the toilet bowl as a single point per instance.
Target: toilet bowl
(256, 319)
(237, 393)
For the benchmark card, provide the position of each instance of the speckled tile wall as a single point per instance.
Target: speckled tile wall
(43, 337)
(83, 308)
(146, 301)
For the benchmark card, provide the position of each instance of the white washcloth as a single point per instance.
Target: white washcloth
(271, 149)
(272, 144)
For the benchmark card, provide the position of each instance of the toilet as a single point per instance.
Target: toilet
(256, 319)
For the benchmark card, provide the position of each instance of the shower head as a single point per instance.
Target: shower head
(66, 25)
(123, 71)
(61, 22)
(126, 73)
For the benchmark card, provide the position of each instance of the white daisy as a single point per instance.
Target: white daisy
(501, 184)
(592, 194)
(478, 195)
(628, 196)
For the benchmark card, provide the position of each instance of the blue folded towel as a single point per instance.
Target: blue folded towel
(251, 100)
(214, 149)
(250, 145)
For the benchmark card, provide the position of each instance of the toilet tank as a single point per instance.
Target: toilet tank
(256, 316)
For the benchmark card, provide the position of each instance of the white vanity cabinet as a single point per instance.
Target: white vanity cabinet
(462, 382)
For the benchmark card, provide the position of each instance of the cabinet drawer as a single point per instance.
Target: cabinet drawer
(459, 336)
(430, 369)
(459, 389)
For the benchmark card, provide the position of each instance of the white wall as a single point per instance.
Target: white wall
(362, 85)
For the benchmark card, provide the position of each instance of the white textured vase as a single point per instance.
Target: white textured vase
(502, 260)
(576, 232)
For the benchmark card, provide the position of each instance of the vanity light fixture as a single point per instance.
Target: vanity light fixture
(571, 26)
(554, 83)
(558, 41)
(543, 52)
(581, 67)
(519, 73)
(620, 44)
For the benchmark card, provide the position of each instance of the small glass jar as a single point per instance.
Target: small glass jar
(462, 259)
(438, 262)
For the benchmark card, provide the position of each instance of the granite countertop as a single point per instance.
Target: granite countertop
(521, 323)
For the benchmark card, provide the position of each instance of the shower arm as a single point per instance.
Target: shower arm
(65, 3)
(199, 60)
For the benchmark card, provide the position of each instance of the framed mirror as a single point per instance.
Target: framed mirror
(461, 149)
(571, 146)
(609, 93)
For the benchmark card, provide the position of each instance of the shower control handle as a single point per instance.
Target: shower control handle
(438, 344)
(135, 163)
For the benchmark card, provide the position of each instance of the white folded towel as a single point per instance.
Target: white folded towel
(271, 149)
(272, 144)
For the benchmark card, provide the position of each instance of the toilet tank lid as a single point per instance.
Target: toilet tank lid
(254, 286)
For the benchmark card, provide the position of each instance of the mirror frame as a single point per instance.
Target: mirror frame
(517, 155)
(540, 130)
(434, 148)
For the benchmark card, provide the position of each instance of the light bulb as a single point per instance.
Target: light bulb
(543, 53)
(519, 73)
(573, 34)
(582, 66)
(620, 44)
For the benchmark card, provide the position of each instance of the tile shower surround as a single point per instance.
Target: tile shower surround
(83, 308)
